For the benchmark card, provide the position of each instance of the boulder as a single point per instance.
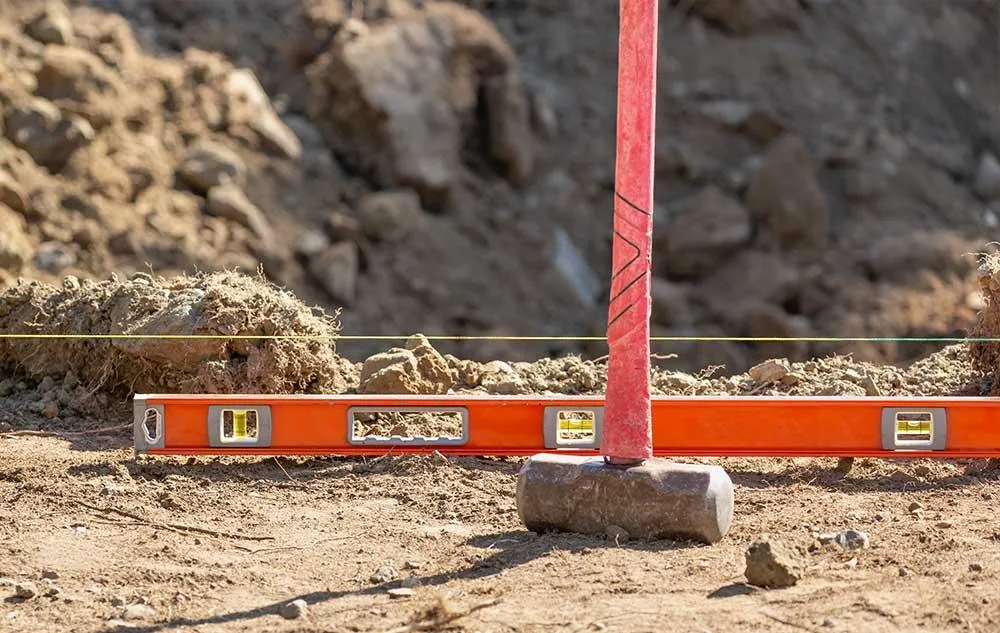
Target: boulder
(389, 215)
(400, 100)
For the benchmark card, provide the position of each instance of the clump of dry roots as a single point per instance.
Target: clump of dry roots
(224, 304)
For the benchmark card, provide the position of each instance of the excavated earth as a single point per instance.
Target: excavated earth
(823, 168)
(94, 538)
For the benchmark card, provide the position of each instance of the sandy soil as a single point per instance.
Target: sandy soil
(252, 535)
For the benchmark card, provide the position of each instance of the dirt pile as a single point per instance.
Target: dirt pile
(822, 168)
(219, 308)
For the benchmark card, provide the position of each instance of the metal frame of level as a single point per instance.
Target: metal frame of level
(525, 425)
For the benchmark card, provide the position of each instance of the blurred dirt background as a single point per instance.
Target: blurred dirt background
(823, 167)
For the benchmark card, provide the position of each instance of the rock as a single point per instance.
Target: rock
(208, 164)
(341, 227)
(411, 582)
(399, 100)
(616, 534)
(773, 564)
(12, 194)
(80, 80)
(50, 574)
(671, 305)
(336, 269)
(944, 525)
(413, 564)
(384, 574)
(54, 257)
(749, 16)
(249, 105)
(38, 127)
(786, 198)
(401, 592)
(228, 201)
(987, 178)
(26, 590)
(294, 610)
(310, 244)
(50, 410)
(498, 377)
(707, 228)
(975, 567)
(52, 26)
(402, 371)
(389, 215)
(881, 516)
(916, 506)
(922, 470)
(849, 540)
(770, 371)
(15, 248)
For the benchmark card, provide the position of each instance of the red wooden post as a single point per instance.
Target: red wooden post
(627, 432)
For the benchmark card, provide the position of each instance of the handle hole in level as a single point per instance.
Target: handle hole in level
(407, 425)
(152, 425)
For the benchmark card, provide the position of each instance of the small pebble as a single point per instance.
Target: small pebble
(944, 525)
(975, 567)
(903, 572)
(294, 609)
(26, 590)
(412, 564)
(828, 624)
(922, 470)
(50, 574)
(400, 592)
(139, 612)
(383, 574)
(916, 506)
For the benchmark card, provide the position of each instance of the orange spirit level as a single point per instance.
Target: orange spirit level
(495, 425)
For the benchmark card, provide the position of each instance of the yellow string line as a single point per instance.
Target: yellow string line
(445, 337)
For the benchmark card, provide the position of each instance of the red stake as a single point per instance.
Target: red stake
(627, 433)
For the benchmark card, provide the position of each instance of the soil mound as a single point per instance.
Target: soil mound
(224, 305)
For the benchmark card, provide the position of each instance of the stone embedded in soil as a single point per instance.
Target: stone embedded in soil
(617, 534)
(705, 229)
(54, 257)
(384, 574)
(53, 25)
(209, 164)
(38, 127)
(15, 247)
(250, 105)
(138, 612)
(336, 268)
(786, 197)
(12, 194)
(389, 215)
(26, 590)
(421, 370)
(770, 371)
(294, 610)
(228, 201)
(401, 592)
(773, 564)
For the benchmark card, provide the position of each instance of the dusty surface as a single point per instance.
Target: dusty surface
(330, 526)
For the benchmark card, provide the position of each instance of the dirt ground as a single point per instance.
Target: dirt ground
(93, 519)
